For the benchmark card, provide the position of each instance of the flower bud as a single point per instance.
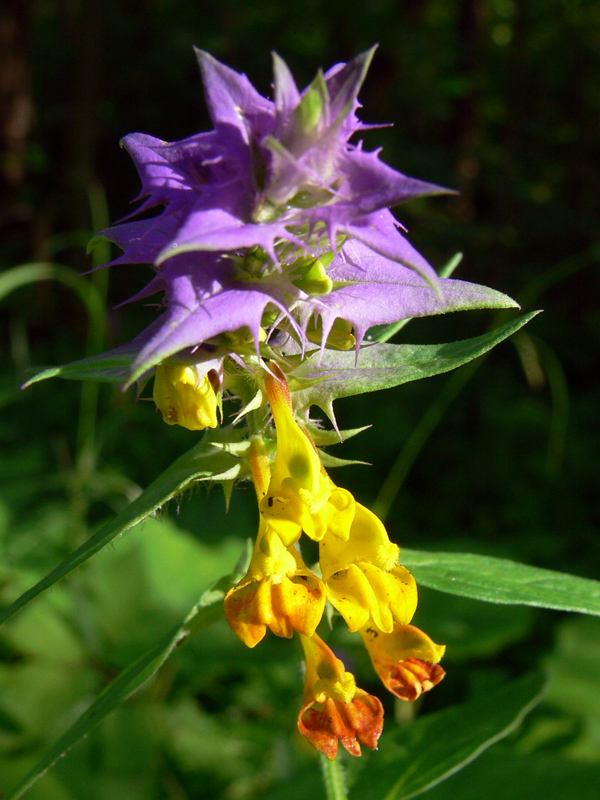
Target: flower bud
(185, 399)
(313, 278)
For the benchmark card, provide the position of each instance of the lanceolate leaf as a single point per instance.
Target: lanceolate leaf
(498, 580)
(202, 462)
(207, 611)
(415, 758)
(111, 367)
(381, 366)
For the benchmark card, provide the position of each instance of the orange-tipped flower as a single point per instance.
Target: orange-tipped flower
(406, 660)
(334, 710)
(278, 592)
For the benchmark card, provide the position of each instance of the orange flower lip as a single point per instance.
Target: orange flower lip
(410, 678)
(358, 722)
(293, 604)
(406, 660)
(334, 710)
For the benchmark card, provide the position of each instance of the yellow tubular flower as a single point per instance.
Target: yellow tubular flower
(363, 578)
(301, 496)
(333, 708)
(185, 399)
(406, 660)
(278, 591)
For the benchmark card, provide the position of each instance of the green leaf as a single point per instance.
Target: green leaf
(207, 611)
(498, 580)
(112, 366)
(384, 365)
(503, 774)
(472, 630)
(202, 462)
(413, 759)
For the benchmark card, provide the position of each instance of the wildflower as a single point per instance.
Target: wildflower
(333, 708)
(301, 496)
(278, 591)
(406, 659)
(363, 577)
(184, 397)
(275, 213)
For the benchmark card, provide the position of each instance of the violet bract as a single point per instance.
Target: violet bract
(274, 219)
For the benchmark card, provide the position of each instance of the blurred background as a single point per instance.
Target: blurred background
(496, 98)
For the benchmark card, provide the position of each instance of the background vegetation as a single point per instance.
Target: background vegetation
(498, 99)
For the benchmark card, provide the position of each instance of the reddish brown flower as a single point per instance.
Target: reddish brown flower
(334, 710)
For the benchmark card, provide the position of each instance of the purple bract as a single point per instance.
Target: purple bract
(275, 215)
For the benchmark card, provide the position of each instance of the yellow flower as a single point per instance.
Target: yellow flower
(406, 659)
(185, 399)
(363, 578)
(333, 708)
(278, 591)
(301, 496)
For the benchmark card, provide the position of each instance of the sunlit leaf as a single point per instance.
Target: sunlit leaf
(112, 367)
(498, 580)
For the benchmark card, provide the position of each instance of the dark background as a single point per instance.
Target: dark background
(498, 99)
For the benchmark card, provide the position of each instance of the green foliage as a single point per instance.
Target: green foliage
(501, 770)
(208, 609)
(512, 472)
(433, 748)
(202, 462)
(111, 367)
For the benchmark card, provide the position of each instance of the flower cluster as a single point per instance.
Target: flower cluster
(360, 576)
(275, 227)
(273, 241)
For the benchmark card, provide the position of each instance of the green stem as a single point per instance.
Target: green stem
(419, 436)
(559, 392)
(86, 430)
(335, 780)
